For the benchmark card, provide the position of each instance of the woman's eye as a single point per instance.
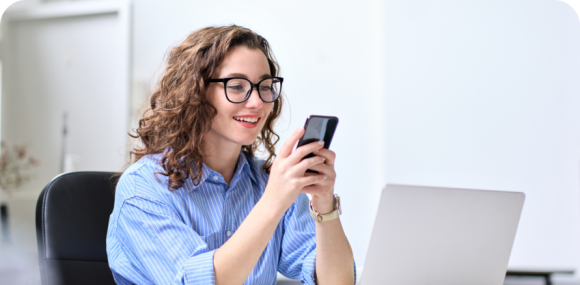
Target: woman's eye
(265, 88)
(235, 87)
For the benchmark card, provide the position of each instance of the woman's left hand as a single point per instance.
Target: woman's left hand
(323, 192)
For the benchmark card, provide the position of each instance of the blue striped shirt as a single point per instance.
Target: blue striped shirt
(157, 236)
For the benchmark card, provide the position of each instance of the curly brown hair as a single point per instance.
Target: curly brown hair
(180, 115)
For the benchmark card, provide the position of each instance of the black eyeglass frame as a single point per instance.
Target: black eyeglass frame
(252, 86)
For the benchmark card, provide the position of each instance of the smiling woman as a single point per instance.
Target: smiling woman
(181, 114)
(196, 207)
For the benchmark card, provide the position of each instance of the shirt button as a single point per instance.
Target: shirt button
(215, 177)
(229, 233)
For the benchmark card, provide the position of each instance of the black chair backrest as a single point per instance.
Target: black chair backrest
(72, 217)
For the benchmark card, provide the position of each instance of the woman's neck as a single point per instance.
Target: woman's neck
(222, 158)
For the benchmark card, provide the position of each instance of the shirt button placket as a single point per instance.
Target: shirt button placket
(227, 211)
(231, 217)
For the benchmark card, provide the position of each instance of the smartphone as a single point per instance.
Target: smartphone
(318, 128)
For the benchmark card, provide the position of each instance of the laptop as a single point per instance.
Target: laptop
(442, 236)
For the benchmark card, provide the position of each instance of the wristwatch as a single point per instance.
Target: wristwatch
(329, 216)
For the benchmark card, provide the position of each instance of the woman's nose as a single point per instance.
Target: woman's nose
(254, 102)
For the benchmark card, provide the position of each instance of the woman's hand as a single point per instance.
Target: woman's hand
(287, 176)
(323, 192)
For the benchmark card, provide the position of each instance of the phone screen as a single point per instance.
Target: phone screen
(318, 128)
(315, 130)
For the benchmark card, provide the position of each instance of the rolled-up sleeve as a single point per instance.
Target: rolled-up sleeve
(163, 248)
(298, 254)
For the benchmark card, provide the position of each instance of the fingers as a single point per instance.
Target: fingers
(308, 163)
(328, 154)
(322, 168)
(286, 148)
(312, 179)
(311, 189)
(304, 150)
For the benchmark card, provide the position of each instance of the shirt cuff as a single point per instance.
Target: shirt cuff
(199, 269)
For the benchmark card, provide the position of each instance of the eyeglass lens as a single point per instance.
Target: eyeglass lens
(238, 89)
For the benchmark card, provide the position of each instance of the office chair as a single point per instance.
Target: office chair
(72, 217)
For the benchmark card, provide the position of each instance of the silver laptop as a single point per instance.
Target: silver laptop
(429, 235)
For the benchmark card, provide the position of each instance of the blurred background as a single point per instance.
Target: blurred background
(470, 94)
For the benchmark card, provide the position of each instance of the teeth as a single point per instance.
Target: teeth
(245, 119)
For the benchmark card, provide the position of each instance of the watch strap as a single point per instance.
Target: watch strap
(329, 216)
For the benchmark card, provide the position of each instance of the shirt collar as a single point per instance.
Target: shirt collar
(243, 165)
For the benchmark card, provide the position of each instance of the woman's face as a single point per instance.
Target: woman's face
(236, 123)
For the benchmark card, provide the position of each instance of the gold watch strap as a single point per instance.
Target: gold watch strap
(329, 216)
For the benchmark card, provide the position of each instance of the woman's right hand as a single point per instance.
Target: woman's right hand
(287, 173)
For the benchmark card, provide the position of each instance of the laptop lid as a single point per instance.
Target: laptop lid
(430, 235)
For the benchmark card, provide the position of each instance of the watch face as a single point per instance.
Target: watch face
(337, 207)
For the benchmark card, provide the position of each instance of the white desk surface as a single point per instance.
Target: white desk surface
(546, 270)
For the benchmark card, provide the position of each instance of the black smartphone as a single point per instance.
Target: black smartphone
(318, 128)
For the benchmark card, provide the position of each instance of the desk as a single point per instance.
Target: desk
(546, 273)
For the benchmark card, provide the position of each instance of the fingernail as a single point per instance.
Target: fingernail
(316, 151)
(321, 142)
(324, 177)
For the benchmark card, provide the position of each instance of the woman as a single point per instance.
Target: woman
(235, 218)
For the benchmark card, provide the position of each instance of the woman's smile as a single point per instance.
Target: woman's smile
(248, 121)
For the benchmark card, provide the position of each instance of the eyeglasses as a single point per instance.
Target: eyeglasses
(238, 89)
